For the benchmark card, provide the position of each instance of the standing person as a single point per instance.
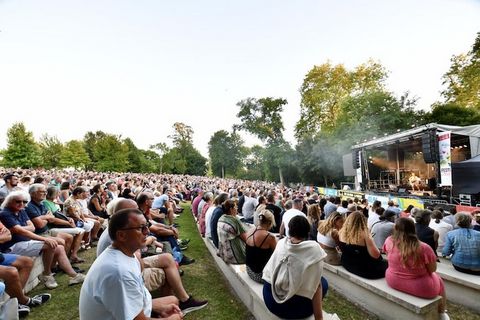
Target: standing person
(114, 288)
(276, 210)
(360, 255)
(260, 244)
(412, 265)
(294, 286)
(464, 245)
(231, 235)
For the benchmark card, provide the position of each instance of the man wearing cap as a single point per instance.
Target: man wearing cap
(11, 182)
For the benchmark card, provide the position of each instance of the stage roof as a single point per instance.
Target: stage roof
(471, 131)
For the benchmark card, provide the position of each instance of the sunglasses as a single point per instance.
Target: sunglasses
(142, 228)
(21, 201)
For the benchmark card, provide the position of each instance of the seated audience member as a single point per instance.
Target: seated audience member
(477, 220)
(294, 286)
(216, 214)
(262, 204)
(14, 271)
(383, 228)
(412, 265)
(441, 227)
(208, 198)
(464, 245)
(360, 255)
(113, 288)
(277, 211)
(98, 201)
(260, 244)
(43, 219)
(295, 210)
(231, 235)
(374, 217)
(11, 184)
(424, 232)
(159, 271)
(26, 242)
(328, 238)
(313, 217)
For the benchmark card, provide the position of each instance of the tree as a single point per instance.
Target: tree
(183, 135)
(50, 151)
(326, 86)
(262, 118)
(22, 150)
(90, 140)
(74, 155)
(226, 153)
(136, 161)
(453, 114)
(111, 154)
(161, 148)
(463, 78)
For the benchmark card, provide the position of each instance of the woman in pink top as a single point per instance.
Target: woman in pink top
(412, 265)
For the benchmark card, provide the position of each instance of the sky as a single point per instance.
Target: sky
(134, 68)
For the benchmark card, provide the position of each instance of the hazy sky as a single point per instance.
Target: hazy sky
(136, 67)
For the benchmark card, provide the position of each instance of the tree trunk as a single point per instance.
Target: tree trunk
(223, 172)
(280, 174)
(325, 181)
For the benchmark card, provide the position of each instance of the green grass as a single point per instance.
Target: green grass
(204, 281)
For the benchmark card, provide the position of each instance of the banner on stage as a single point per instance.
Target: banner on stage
(445, 158)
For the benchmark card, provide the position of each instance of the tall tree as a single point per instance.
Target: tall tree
(161, 148)
(74, 155)
(111, 154)
(50, 151)
(226, 153)
(463, 78)
(22, 150)
(326, 86)
(90, 140)
(135, 157)
(262, 118)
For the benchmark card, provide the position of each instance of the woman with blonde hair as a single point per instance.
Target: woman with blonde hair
(360, 255)
(412, 265)
(328, 237)
(260, 245)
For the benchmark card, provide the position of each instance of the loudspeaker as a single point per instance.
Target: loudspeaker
(356, 159)
(432, 183)
(430, 147)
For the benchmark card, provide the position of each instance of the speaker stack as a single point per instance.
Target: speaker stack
(430, 147)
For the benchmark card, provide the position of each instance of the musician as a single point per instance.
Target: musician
(413, 180)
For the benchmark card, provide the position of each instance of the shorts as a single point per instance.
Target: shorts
(88, 225)
(8, 259)
(153, 278)
(72, 231)
(31, 248)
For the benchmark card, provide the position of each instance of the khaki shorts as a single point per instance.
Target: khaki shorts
(154, 278)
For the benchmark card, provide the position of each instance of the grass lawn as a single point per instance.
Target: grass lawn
(203, 280)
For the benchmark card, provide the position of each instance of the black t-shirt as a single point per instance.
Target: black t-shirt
(277, 214)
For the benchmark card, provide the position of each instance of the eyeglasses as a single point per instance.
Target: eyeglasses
(21, 201)
(142, 228)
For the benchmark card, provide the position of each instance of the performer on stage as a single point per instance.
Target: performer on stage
(413, 180)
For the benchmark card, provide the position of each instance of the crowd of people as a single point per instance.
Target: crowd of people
(130, 218)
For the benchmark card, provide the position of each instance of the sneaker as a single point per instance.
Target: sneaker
(76, 280)
(183, 247)
(192, 305)
(77, 269)
(23, 310)
(49, 281)
(183, 242)
(186, 261)
(444, 316)
(181, 272)
(39, 299)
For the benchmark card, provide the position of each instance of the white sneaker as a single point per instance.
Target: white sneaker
(443, 316)
(49, 281)
(76, 280)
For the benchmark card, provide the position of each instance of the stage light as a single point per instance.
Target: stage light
(465, 146)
